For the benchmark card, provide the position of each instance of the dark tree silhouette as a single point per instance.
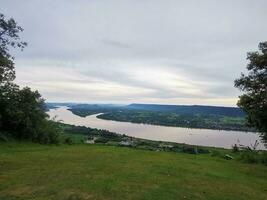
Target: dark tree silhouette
(254, 85)
(9, 37)
(22, 114)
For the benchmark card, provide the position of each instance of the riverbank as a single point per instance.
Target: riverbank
(195, 121)
(31, 171)
(199, 137)
(199, 117)
(80, 134)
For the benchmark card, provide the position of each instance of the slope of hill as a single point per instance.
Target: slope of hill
(194, 109)
(68, 172)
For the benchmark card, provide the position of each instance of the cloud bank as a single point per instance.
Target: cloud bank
(173, 52)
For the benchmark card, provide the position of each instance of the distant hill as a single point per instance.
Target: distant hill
(194, 109)
(179, 109)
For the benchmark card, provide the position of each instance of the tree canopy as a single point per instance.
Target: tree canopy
(9, 37)
(254, 85)
(22, 114)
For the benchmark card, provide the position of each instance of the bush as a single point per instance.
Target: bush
(3, 137)
(217, 153)
(264, 159)
(235, 148)
(177, 149)
(101, 140)
(190, 149)
(68, 140)
(203, 150)
(47, 133)
(249, 157)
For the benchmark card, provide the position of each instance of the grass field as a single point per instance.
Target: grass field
(41, 172)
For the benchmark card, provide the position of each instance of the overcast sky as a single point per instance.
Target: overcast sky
(146, 51)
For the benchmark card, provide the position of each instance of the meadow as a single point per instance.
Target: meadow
(82, 171)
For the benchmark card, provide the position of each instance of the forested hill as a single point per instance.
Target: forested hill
(179, 109)
(194, 109)
(209, 117)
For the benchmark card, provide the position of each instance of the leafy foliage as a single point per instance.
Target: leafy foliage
(179, 120)
(22, 113)
(9, 37)
(254, 101)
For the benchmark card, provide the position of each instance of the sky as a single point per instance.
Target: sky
(136, 51)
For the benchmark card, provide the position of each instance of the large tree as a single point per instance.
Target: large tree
(254, 85)
(9, 37)
(22, 114)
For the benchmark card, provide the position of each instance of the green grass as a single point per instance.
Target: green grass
(42, 172)
(76, 138)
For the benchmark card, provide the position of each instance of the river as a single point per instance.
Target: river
(202, 137)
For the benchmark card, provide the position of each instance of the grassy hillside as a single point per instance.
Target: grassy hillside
(32, 171)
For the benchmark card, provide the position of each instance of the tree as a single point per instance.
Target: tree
(22, 114)
(254, 101)
(9, 37)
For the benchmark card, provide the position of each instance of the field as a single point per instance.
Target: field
(42, 172)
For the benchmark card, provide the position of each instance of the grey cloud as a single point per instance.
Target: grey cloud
(203, 42)
(115, 43)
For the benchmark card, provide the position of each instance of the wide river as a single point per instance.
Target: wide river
(203, 137)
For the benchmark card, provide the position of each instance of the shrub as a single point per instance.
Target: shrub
(249, 157)
(264, 159)
(190, 149)
(47, 133)
(235, 148)
(217, 153)
(3, 137)
(203, 150)
(68, 140)
(101, 140)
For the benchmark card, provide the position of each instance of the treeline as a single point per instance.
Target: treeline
(247, 154)
(207, 117)
(84, 110)
(99, 136)
(218, 122)
(194, 109)
(22, 116)
(178, 109)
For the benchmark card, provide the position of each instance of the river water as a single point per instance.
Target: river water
(202, 137)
